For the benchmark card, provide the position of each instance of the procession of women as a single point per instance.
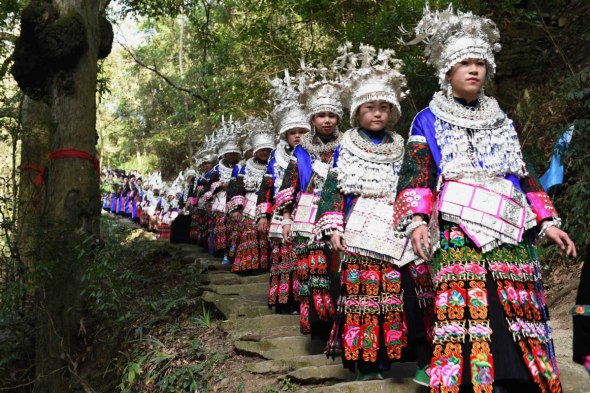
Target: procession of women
(389, 250)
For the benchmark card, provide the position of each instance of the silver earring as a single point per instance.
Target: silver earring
(312, 130)
(449, 90)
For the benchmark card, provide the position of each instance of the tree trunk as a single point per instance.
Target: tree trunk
(71, 211)
(36, 125)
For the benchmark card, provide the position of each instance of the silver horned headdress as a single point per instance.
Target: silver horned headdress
(227, 137)
(260, 133)
(451, 38)
(287, 113)
(321, 90)
(372, 75)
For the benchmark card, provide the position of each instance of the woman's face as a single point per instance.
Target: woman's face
(206, 166)
(467, 78)
(325, 123)
(294, 136)
(232, 158)
(373, 115)
(262, 155)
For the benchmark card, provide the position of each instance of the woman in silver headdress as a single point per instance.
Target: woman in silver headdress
(290, 121)
(386, 295)
(473, 208)
(298, 196)
(251, 252)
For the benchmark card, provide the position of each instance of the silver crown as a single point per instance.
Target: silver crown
(227, 135)
(321, 89)
(287, 113)
(377, 77)
(451, 37)
(260, 133)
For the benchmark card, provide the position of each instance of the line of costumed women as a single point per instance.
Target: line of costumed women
(386, 293)
(198, 212)
(291, 124)
(215, 192)
(463, 173)
(251, 247)
(297, 200)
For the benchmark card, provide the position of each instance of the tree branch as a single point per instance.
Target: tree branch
(164, 77)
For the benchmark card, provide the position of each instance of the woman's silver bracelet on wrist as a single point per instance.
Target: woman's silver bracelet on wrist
(413, 226)
(286, 221)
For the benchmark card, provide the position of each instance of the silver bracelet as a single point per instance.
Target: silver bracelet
(286, 222)
(543, 232)
(413, 226)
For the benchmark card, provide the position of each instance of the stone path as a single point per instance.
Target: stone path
(277, 348)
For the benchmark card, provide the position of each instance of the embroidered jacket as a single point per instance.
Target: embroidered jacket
(299, 176)
(271, 183)
(421, 169)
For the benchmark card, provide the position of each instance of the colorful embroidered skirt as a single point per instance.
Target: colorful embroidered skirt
(143, 216)
(284, 287)
(252, 248)
(317, 302)
(162, 230)
(219, 231)
(197, 217)
(233, 240)
(382, 308)
(491, 317)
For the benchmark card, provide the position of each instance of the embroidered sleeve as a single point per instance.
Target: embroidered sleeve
(215, 184)
(538, 199)
(417, 182)
(290, 187)
(236, 194)
(265, 202)
(331, 206)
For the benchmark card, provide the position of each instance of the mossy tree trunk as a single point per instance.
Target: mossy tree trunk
(72, 208)
(56, 60)
(36, 126)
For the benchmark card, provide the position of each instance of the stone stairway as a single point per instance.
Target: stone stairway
(273, 341)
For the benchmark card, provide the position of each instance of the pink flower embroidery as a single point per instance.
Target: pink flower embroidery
(456, 233)
(421, 269)
(435, 376)
(393, 335)
(450, 374)
(458, 269)
(442, 300)
(351, 336)
(512, 295)
(475, 269)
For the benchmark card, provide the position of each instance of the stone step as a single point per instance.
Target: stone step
(280, 347)
(320, 374)
(255, 288)
(260, 323)
(384, 386)
(218, 277)
(265, 333)
(336, 372)
(235, 306)
(286, 365)
(216, 266)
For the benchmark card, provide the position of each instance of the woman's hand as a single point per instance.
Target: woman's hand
(263, 225)
(420, 240)
(287, 234)
(337, 241)
(562, 239)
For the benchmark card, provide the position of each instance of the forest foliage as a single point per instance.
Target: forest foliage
(188, 62)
